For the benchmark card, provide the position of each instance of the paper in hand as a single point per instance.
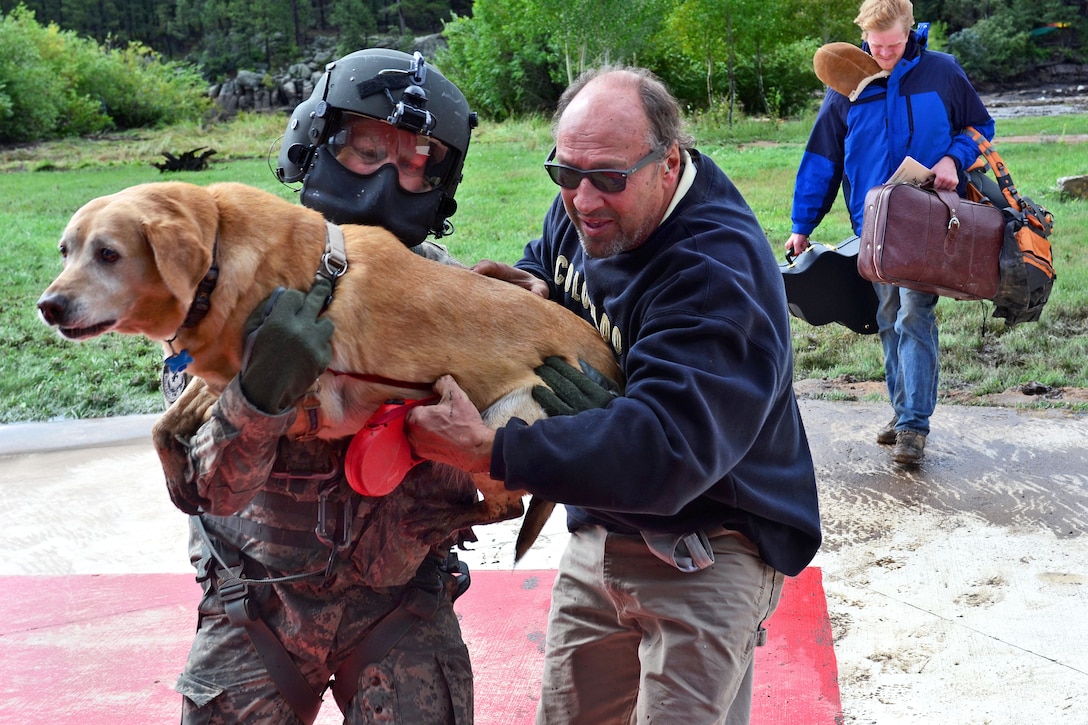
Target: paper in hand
(911, 171)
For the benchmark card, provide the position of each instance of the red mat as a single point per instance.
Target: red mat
(106, 650)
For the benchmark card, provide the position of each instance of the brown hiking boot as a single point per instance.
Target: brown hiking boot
(909, 447)
(886, 435)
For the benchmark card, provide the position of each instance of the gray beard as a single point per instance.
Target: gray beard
(620, 243)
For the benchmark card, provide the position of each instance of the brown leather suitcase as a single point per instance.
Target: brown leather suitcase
(931, 241)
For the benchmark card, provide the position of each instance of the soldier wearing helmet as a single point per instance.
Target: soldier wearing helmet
(382, 140)
(309, 586)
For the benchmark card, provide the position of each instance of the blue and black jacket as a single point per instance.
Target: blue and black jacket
(920, 110)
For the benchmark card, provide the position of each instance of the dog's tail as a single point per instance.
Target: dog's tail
(535, 517)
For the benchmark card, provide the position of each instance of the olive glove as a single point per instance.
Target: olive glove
(288, 345)
(571, 390)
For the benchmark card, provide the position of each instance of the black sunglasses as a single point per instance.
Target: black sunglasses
(610, 181)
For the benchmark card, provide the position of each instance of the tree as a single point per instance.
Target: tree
(425, 16)
(703, 29)
(601, 31)
(501, 59)
(993, 49)
(826, 21)
(355, 21)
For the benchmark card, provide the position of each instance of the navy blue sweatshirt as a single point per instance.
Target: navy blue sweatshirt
(708, 432)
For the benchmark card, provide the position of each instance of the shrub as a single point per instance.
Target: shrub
(32, 96)
(54, 84)
(684, 75)
(137, 89)
(994, 49)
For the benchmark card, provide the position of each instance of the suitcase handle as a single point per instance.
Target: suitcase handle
(950, 200)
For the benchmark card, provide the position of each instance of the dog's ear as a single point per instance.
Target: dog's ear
(180, 226)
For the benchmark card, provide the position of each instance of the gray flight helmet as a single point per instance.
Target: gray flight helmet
(390, 86)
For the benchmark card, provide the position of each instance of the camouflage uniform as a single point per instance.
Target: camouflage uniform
(265, 491)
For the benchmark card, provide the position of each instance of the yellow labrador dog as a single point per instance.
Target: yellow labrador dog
(135, 261)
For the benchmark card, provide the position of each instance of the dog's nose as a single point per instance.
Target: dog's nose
(52, 308)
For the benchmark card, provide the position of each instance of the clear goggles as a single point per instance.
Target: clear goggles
(364, 144)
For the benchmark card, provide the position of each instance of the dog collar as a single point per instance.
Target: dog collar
(173, 378)
(202, 300)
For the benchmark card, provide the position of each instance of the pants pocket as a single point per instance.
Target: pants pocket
(199, 692)
(415, 687)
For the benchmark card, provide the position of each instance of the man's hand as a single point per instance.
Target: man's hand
(513, 275)
(451, 431)
(945, 175)
(797, 243)
(287, 347)
(571, 390)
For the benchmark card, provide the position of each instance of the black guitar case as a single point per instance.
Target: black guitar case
(823, 285)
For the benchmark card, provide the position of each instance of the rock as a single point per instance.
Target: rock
(1075, 186)
(249, 80)
(283, 89)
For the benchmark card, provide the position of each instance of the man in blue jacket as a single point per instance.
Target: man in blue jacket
(692, 494)
(921, 110)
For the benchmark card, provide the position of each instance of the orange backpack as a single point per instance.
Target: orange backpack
(1027, 261)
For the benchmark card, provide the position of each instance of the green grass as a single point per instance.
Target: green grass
(501, 204)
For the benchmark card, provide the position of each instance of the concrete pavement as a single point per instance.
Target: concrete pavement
(956, 591)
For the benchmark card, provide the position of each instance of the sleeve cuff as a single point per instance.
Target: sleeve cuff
(498, 462)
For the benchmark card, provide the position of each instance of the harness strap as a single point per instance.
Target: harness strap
(272, 534)
(334, 263)
(234, 593)
(382, 380)
(438, 574)
(233, 590)
(419, 603)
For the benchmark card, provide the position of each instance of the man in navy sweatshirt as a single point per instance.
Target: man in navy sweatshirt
(690, 496)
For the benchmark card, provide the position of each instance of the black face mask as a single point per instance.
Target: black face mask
(344, 197)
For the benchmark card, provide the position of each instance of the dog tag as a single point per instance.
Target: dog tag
(379, 456)
(173, 383)
(178, 361)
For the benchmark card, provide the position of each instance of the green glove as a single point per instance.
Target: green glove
(287, 346)
(571, 390)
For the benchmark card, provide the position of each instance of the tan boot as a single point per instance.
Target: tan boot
(909, 447)
(886, 435)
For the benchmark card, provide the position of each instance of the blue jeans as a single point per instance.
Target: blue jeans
(908, 332)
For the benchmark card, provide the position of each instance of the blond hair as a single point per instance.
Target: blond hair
(877, 16)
